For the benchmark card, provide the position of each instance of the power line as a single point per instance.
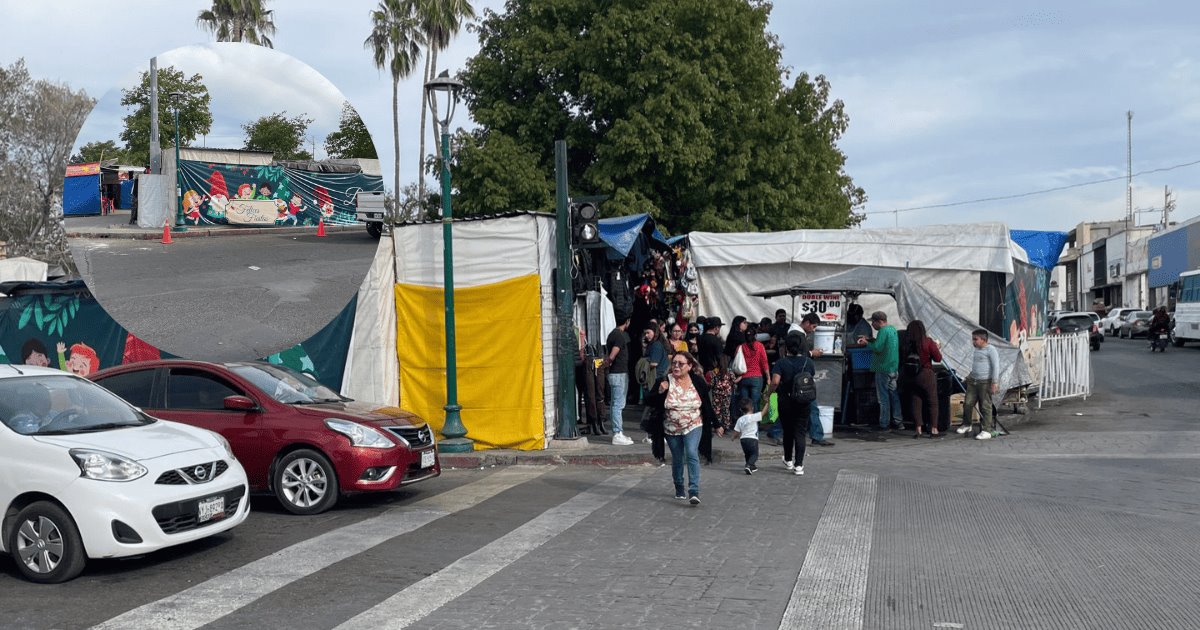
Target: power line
(1033, 192)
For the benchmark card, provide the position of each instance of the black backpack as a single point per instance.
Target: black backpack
(911, 366)
(804, 386)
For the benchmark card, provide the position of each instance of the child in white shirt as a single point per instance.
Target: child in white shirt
(747, 429)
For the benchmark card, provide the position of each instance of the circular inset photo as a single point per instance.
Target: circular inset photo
(213, 202)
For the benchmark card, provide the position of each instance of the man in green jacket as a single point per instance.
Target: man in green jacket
(885, 363)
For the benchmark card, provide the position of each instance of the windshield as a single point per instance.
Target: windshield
(284, 384)
(1141, 315)
(59, 405)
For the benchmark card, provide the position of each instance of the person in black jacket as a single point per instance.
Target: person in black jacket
(688, 419)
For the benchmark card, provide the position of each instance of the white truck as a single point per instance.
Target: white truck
(371, 209)
(1186, 322)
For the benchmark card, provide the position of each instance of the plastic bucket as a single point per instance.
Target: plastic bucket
(826, 415)
(823, 338)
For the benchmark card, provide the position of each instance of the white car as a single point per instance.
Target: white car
(1110, 323)
(85, 475)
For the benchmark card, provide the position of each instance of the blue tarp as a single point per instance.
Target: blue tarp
(1043, 248)
(81, 195)
(126, 200)
(620, 233)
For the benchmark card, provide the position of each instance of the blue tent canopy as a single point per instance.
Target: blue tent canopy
(621, 233)
(1043, 248)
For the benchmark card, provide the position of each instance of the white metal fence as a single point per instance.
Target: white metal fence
(1066, 367)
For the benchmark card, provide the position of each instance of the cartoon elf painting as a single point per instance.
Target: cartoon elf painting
(218, 195)
(245, 191)
(295, 207)
(324, 202)
(83, 359)
(281, 213)
(264, 191)
(191, 206)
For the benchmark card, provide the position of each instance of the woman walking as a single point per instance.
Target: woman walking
(924, 384)
(793, 414)
(683, 398)
(750, 384)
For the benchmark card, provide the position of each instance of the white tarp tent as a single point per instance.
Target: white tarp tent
(23, 269)
(486, 251)
(945, 259)
(913, 302)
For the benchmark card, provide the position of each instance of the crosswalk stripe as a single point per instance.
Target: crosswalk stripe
(831, 589)
(223, 594)
(426, 596)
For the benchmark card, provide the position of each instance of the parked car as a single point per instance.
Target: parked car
(85, 475)
(1112, 321)
(1134, 324)
(297, 438)
(1075, 322)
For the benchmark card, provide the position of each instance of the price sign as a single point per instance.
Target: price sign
(827, 306)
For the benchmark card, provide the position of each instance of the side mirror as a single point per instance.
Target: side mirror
(240, 403)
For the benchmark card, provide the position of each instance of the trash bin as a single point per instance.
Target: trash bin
(945, 387)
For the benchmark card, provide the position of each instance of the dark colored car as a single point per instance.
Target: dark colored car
(295, 437)
(1134, 324)
(1075, 322)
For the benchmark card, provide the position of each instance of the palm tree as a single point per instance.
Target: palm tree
(440, 22)
(395, 43)
(239, 21)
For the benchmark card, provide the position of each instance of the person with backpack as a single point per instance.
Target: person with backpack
(793, 377)
(919, 354)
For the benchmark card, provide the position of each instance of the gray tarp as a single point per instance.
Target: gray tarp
(913, 301)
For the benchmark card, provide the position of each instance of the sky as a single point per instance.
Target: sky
(949, 102)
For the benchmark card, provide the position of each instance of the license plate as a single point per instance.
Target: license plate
(426, 459)
(213, 507)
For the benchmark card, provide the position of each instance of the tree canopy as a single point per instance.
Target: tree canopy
(174, 90)
(38, 123)
(246, 21)
(280, 135)
(100, 150)
(678, 108)
(351, 140)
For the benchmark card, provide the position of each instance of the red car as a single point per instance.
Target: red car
(294, 436)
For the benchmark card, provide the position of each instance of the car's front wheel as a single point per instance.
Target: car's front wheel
(45, 544)
(305, 482)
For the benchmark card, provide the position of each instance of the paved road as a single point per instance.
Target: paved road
(1084, 517)
(226, 298)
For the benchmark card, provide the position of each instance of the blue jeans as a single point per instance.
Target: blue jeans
(889, 398)
(815, 430)
(749, 387)
(686, 445)
(617, 383)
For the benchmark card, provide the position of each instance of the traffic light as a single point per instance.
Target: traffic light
(585, 230)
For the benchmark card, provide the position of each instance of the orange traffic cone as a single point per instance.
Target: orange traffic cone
(166, 239)
(321, 227)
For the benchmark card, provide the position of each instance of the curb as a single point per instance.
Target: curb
(488, 459)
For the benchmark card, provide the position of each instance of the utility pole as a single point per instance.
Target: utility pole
(1128, 168)
(1168, 206)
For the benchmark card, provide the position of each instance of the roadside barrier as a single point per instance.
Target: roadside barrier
(1066, 367)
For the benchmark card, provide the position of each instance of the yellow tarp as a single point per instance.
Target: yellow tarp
(499, 353)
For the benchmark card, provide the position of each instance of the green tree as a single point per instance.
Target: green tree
(440, 21)
(395, 43)
(239, 21)
(189, 94)
(282, 136)
(351, 140)
(678, 108)
(98, 150)
(503, 175)
(39, 120)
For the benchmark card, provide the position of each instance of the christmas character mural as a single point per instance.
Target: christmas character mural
(33, 352)
(295, 207)
(83, 361)
(281, 212)
(218, 195)
(245, 191)
(324, 202)
(264, 191)
(191, 207)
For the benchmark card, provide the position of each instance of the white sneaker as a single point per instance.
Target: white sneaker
(620, 440)
(799, 470)
(984, 435)
(964, 428)
(789, 464)
(647, 440)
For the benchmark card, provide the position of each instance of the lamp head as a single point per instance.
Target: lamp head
(448, 87)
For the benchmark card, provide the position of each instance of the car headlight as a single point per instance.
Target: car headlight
(225, 444)
(104, 466)
(359, 435)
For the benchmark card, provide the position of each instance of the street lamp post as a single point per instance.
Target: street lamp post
(176, 98)
(453, 430)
